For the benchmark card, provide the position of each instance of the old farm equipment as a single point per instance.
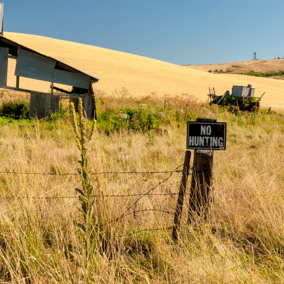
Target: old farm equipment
(241, 97)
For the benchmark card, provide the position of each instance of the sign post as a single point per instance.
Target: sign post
(181, 194)
(204, 136)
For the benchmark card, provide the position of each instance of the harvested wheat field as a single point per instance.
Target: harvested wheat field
(141, 76)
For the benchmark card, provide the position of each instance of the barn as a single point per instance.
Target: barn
(34, 65)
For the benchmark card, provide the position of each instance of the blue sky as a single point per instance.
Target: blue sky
(176, 31)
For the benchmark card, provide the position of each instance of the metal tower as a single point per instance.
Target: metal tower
(254, 56)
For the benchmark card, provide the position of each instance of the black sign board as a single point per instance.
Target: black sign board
(206, 136)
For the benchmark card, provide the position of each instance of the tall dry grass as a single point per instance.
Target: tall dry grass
(242, 243)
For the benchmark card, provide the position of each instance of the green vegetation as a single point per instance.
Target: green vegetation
(17, 109)
(121, 234)
(264, 74)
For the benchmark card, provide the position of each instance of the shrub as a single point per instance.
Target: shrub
(264, 74)
(17, 109)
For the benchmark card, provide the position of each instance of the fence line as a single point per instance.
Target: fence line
(100, 173)
(128, 211)
(140, 195)
(73, 197)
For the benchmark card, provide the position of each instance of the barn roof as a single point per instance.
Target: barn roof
(14, 47)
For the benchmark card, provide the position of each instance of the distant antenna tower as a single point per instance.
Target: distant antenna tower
(254, 56)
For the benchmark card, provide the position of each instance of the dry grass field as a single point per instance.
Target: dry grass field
(242, 242)
(141, 76)
(48, 235)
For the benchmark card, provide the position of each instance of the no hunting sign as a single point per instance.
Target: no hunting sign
(206, 136)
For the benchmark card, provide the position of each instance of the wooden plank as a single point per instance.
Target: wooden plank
(3, 65)
(91, 106)
(47, 104)
(54, 104)
(1, 18)
(35, 60)
(43, 105)
(51, 87)
(37, 105)
(94, 108)
(32, 105)
(71, 79)
(32, 73)
(86, 105)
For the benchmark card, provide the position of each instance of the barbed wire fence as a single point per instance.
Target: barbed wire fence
(127, 212)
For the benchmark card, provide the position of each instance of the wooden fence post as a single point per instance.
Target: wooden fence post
(181, 194)
(201, 196)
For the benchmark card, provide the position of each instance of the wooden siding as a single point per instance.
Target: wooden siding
(54, 104)
(35, 66)
(3, 65)
(39, 105)
(36, 61)
(71, 79)
(33, 73)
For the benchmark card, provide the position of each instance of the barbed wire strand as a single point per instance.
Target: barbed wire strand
(145, 194)
(73, 197)
(91, 173)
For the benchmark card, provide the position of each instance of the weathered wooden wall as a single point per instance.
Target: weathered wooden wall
(39, 104)
(35, 66)
(3, 65)
(42, 104)
(54, 104)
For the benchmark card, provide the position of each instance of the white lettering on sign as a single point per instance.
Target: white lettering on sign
(206, 130)
(197, 141)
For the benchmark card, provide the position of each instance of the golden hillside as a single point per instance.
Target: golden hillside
(264, 65)
(140, 75)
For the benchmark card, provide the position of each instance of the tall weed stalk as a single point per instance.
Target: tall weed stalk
(87, 227)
